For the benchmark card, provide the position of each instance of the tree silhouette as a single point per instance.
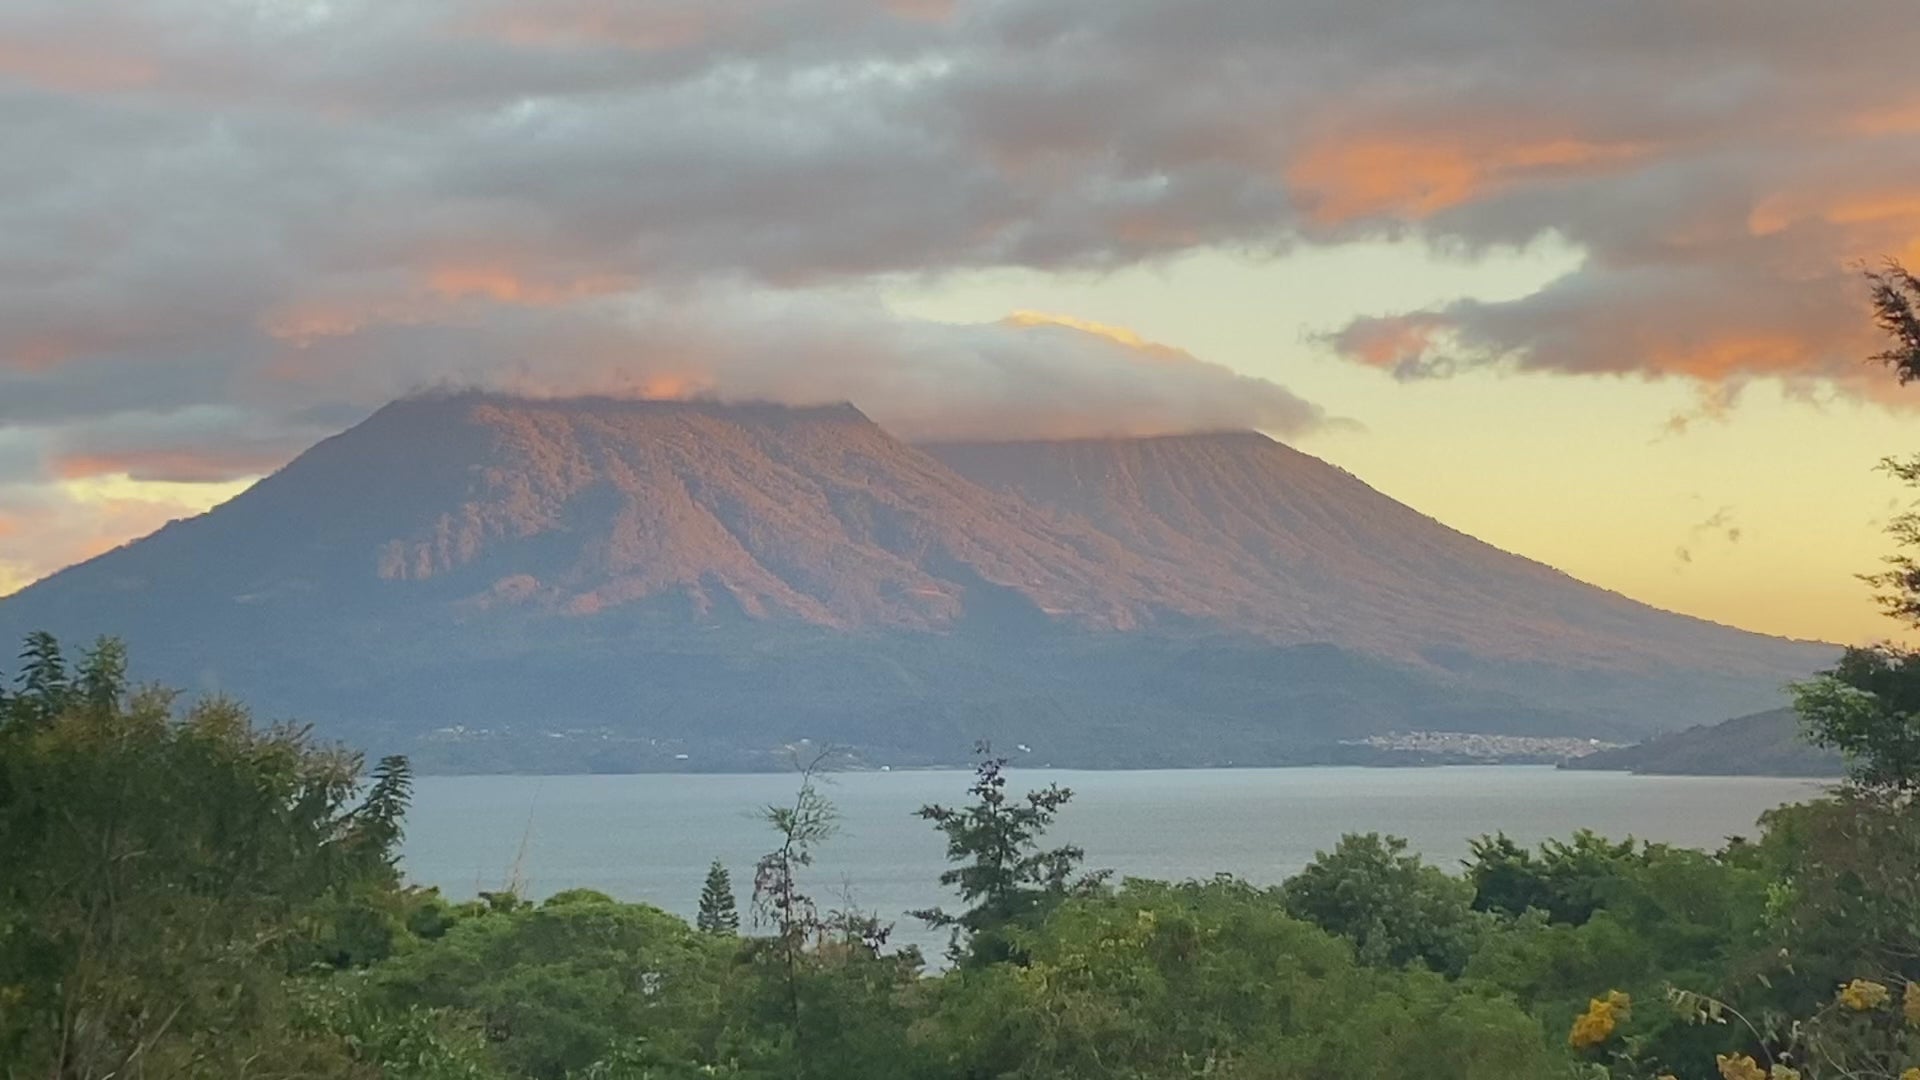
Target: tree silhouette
(1868, 705)
(717, 913)
(1001, 871)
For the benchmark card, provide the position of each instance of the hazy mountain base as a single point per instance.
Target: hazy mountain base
(573, 696)
(1763, 744)
(637, 689)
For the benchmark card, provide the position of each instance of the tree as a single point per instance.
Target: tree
(43, 686)
(717, 914)
(1568, 880)
(1001, 871)
(778, 899)
(1395, 909)
(1868, 705)
(101, 681)
(1896, 295)
(1212, 979)
(164, 872)
(566, 983)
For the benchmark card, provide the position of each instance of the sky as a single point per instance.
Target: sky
(1580, 279)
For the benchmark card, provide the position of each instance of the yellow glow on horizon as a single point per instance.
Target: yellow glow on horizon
(193, 498)
(96, 514)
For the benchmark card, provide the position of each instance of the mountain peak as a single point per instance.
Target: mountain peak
(466, 404)
(762, 560)
(584, 505)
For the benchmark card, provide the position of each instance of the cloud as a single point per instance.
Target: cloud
(244, 212)
(1028, 376)
(1717, 526)
(320, 169)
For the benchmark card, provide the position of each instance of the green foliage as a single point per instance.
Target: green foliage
(1667, 916)
(1868, 708)
(393, 1044)
(717, 913)
(1394, 908)
(1212, 979)
(188, 895)
(1001, 871)
(778, 896)
(1567, 879)
(1847, 902)
(164, 872)
(557, 987)
(44, 689)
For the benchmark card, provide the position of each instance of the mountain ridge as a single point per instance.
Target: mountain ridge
(731, 577)
(1124, 487)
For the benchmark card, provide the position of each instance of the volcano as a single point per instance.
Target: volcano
(491, 582)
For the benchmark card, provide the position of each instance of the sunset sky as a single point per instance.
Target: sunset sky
(1579, 279)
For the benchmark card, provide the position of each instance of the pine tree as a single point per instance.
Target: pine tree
(1000, 868)
(717, 912)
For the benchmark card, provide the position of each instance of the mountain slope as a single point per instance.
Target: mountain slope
(1274, 539)
(576, 506)
(1763, 744)
(599, 583)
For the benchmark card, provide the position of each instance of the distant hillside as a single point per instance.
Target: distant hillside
(1764, 744)
(496, 582)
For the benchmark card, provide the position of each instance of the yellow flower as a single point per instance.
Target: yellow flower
(1910, 1004)
(1595, 1026)
(1781, 1072)
(1738, 1067)
(1911, 1074)
(1861, 995)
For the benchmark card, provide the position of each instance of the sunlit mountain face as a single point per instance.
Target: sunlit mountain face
(724, 579)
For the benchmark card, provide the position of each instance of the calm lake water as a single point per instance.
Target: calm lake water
(651, 837)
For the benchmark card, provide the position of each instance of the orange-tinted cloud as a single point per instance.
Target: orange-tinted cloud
(1119, 335)
(1729, 356)
(1341, 179)
(305, 322)
(178, 465)
(501, 283)
(1891, 207)
(1392, 342)
(1900, 119)
(1649, 333)
(499, 192)
(672, 387)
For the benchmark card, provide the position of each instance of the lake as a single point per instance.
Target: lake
(650, 837)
